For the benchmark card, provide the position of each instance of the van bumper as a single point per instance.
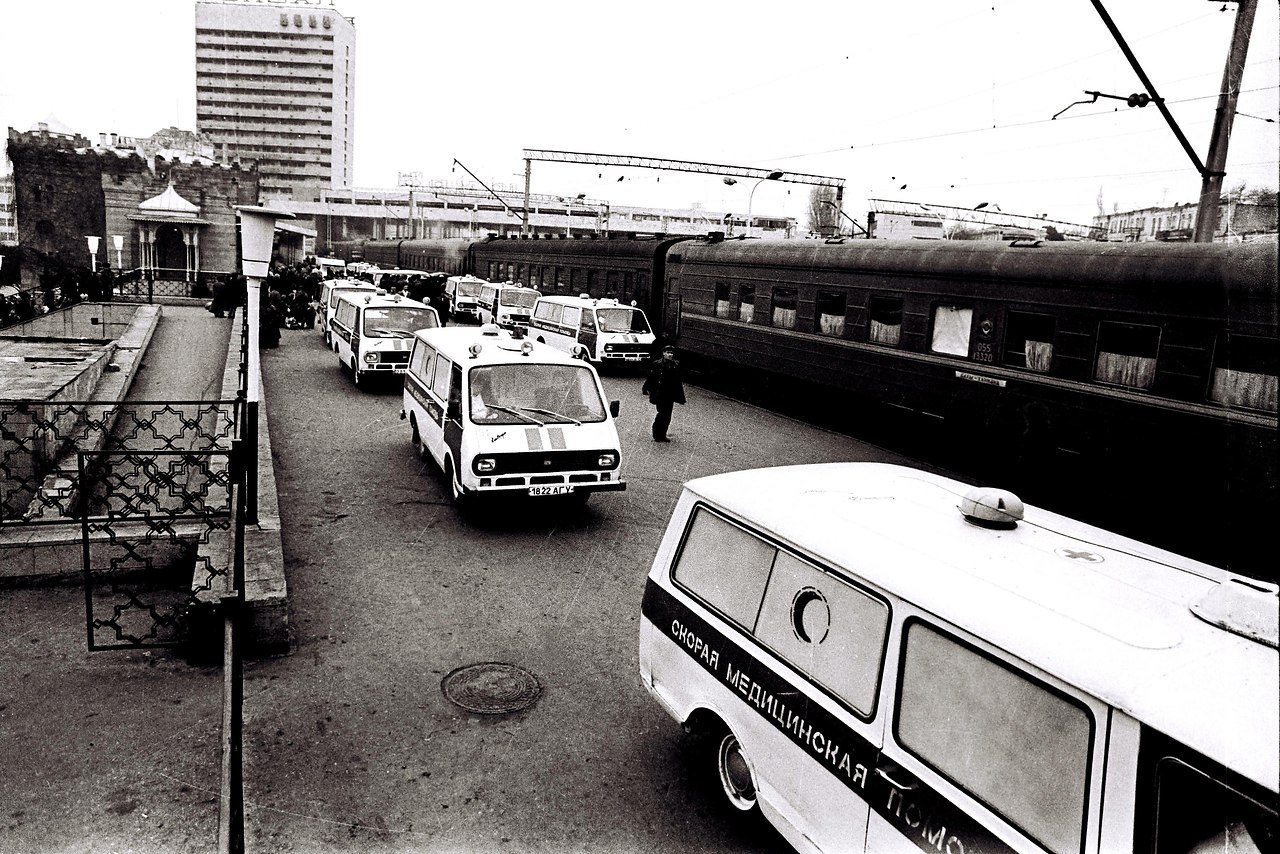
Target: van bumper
(506, 485)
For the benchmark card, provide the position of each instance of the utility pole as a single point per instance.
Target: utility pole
(1216, 162)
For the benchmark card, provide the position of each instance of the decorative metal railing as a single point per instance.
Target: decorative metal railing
(40, 478)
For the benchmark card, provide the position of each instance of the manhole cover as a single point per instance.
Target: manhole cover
(491, 687)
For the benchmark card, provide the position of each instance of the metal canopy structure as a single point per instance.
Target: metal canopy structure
(662, 163)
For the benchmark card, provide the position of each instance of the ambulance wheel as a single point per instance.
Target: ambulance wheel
(736, 778)
(456, 495)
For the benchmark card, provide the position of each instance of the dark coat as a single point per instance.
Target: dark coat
(664, 384)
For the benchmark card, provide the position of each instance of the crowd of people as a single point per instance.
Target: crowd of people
(60, 287)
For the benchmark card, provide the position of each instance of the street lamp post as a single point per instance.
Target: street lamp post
(772, 176)
(93, 251)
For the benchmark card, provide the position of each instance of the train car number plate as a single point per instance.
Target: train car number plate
(563, 489)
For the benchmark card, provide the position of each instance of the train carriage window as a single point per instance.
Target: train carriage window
(1127, 354)
(830, 309)
(535, 280)
(746, 303)
(1029, 341)
(951, 327)
(591, 283)
(1025, 749)
(611, 284)
(783, 314)
(722, 300)
(519, 278)
(1245, 374)
(886, 321)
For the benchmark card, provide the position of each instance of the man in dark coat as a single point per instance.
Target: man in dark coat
(665, 389)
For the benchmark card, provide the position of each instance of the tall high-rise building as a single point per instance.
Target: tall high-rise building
(275, 84)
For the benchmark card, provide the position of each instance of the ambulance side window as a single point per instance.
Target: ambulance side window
(571, 315)
(827, 628)
(422, 362)
(440, 382)
(724, 566)
(1188, 804)
(1012, 742)
(588, 321)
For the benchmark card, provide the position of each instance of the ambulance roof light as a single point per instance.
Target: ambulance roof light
(490, 330)
(991, 508)
(475, 349)
(526, 348)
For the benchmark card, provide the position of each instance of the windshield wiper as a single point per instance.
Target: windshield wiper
(516, 413)
(575, 421)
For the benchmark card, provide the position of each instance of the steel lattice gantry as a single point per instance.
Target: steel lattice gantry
(532, 154)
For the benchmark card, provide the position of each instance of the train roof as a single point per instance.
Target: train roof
(1239, 267)
(1124, 621)
(607, 247)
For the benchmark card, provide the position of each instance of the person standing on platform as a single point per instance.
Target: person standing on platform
(665, 388)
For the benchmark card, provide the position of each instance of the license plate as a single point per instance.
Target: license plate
(563, 489)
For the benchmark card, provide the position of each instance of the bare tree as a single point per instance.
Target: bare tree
(824, 216)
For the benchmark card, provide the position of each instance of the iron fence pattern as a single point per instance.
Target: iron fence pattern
(41, 479)
(157, 538)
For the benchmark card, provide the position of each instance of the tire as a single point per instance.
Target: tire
(733, 770)
(456, 495)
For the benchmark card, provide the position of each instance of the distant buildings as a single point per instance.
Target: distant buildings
(275, 84)
(1237, 221)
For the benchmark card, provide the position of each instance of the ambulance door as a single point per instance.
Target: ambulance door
(453, 423)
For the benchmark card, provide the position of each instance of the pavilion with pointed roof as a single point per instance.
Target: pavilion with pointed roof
(169, 236)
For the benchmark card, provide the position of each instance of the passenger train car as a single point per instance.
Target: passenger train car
(1108, 380)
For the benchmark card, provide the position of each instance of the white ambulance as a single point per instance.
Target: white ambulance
(327, 303)
(884, 660)
(373, 332)
(463, 294)
(506, 304)
(505, 415)
(602, 330)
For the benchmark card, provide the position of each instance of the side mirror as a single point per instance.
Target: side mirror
(615, 406)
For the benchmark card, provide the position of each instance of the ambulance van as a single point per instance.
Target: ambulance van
(878, 659)
(327, 303)
(506, 304)
(601, 330)
(463, 294)
(504, 415)
(373, 332)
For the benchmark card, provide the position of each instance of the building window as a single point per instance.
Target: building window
(784, 308)
(886, 321)
(1029, 341)
(829, 309)
(1127, 354)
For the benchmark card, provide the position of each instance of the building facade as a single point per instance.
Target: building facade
(172, 214)
(275, 84)
(8, 213)
(1237, 222)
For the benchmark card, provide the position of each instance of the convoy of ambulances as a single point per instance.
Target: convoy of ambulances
(602, 330)
(499, 414)
(373, 331)
(883, 660)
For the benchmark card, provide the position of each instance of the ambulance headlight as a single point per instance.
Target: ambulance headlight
(607, 460)
(371, 357)
(485, 464)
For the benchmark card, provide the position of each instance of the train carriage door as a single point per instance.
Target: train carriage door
(671, 313)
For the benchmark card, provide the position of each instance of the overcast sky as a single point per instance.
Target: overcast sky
(936, 101)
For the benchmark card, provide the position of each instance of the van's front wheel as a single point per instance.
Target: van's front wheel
(456, 495)
(736, 778)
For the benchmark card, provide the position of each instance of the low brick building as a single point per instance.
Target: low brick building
(174, 213)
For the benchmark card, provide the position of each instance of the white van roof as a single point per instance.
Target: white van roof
(587, 301)
(495, 349)
(378, 298)
(1123, 621)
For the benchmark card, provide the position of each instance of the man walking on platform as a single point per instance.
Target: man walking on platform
(665, 389)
